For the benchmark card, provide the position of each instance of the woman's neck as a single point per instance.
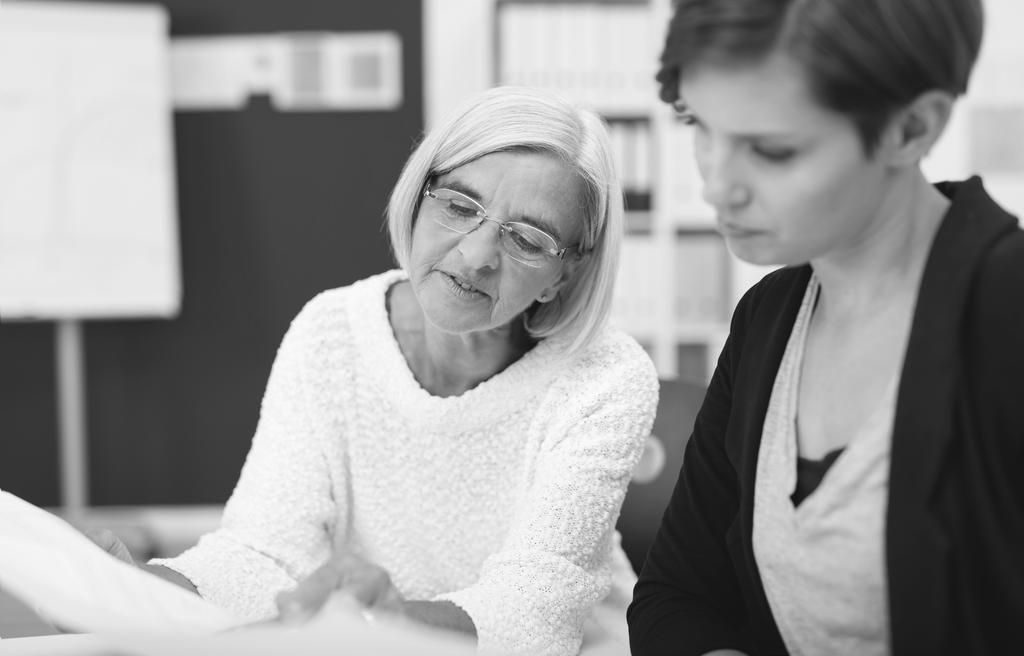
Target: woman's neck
(887, 264)
(447, 364)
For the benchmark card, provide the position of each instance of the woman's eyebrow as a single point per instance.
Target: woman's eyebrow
(465, 189)
(688, 115)
(462, 188)
(543, 225)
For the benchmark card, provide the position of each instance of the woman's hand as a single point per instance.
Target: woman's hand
(106, 540)
(349, 581)
(110, 543)
(346, 579)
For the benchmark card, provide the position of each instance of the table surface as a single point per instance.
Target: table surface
(321, 636)
(92, 645)
(56, 645)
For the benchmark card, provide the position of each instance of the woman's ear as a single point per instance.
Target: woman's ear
(570, 265)
(913, 131)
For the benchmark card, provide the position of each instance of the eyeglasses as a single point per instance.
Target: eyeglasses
(523, 242)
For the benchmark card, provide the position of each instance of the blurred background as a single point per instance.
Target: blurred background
(178, 178)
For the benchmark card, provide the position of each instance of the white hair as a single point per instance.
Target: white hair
(517, 118)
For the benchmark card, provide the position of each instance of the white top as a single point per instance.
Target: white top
(823, 563)
(502, 500)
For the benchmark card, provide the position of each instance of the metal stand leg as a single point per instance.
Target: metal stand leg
(74, 483)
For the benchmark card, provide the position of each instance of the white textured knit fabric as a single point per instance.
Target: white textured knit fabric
(502, 500)
(823, 562)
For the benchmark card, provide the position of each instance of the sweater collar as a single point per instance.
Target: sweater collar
(384, 364)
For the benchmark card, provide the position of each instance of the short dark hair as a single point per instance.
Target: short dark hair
(863, 58)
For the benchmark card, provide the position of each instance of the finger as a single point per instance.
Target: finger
(110, 543)
(343, 602)
(391, 600)
(368, 583)
(309, 596)
(371, 586)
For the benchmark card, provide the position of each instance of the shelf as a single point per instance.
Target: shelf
(637, 200)
(572, 2)
(599, 55)
(604, 55)
(639, 224)
(685, 228)
(682, 332)
(700, 332)
(675, 287)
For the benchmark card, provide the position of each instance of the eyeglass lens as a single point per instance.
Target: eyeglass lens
(462, 214)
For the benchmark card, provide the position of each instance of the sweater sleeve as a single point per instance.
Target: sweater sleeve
(533, 595)
(687, 600)
(277, 524)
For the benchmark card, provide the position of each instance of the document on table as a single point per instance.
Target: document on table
(332, 632)
(49, 565)
(53, 568)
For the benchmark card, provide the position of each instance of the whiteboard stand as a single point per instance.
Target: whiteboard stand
(88, 216)
(70, 360)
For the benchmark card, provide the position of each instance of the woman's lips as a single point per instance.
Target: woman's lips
(462, 285)
(734, 230)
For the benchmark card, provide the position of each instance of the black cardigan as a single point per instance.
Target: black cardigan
(955, 519)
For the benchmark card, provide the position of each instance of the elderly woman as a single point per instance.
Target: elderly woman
(852, 484)
(451, 441)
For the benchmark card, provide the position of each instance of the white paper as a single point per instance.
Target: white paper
(333, 632)
(52, 567)
(78, 644)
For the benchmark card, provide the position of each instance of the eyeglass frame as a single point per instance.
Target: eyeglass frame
(558, 253)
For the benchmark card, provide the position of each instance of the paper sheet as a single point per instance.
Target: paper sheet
(331, 633)
(52, 567)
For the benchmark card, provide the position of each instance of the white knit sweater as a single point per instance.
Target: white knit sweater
(502, 500)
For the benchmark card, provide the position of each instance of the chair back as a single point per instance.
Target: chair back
(648, 495)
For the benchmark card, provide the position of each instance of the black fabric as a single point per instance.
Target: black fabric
(809, 473)
(955, 516)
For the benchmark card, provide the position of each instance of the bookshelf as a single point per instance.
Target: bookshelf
(677, 282)
(986, 130)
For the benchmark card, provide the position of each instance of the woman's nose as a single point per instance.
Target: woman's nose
(723, 187)
(481, 248)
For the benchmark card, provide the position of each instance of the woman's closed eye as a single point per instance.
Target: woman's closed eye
(523, 242)
(774, 154)
(462, 211)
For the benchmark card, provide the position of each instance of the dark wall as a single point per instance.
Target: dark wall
(273, 208)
